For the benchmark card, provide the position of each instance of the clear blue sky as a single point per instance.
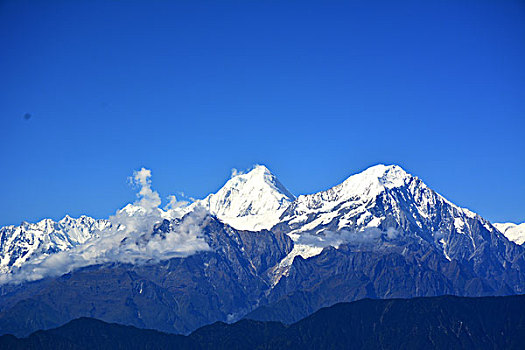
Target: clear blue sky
(314, 90)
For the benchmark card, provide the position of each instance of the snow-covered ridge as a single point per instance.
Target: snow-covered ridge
(514, 232)
(365, 186)
(383, 202)
(251, 201)
(350, 203)
(20, 244)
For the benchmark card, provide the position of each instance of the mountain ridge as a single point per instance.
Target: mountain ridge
(380, 234)
(442, 322)
(257, 200)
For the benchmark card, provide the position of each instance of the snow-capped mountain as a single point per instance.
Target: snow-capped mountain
(514, 232)
(383, 202)
(381, 233)
(251, 201)
(350, 205)
(380, 201)
(388, 199)
(20, 244)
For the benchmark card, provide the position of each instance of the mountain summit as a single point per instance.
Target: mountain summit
(384, 204)
(381, 197)
(251, 201)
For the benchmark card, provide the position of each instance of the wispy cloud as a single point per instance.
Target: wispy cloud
(236, 172)
(335, 239)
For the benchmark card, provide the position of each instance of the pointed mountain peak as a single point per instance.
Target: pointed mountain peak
(257, 172)
(260, 169)
(387, 175)
(382, 171)
(250, 201)
(259, 177)
(67, 220)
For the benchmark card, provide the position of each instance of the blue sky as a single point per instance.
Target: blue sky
(316, 91)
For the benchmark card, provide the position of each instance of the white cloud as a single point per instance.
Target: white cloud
(148, 199)
(174, 203)
(392, 233)
(236, 172)
(129, 240)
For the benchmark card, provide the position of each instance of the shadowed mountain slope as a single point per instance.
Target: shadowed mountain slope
(437, 322)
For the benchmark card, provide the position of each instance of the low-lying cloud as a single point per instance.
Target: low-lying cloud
(335, 239)
(128, 240)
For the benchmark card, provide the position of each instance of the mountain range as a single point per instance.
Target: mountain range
(435, 322)
(253, 249)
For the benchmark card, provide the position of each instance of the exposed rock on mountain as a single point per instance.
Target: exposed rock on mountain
(176, 295)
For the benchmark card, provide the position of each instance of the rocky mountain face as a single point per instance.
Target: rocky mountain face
(354, 272)
(380, 234)
(176, 295)
(395, 237)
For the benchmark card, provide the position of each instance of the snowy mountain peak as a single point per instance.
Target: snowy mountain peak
(250, 201)
(384, 198)
(365, 185)
(259, 176)
(258, 169)
(375, 179)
